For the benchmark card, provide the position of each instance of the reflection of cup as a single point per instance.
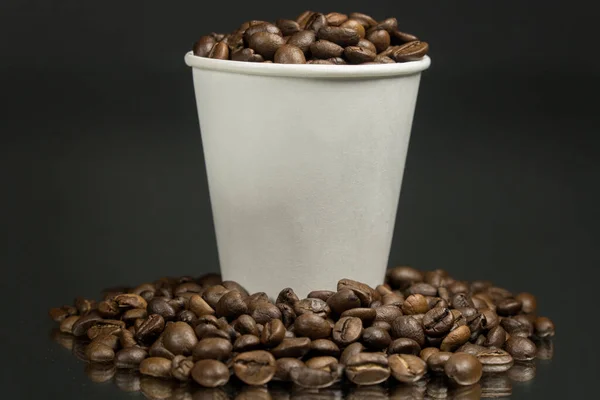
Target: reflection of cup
(304, 165)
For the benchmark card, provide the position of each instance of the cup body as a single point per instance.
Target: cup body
(305, 166)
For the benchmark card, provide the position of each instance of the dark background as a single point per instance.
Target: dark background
(105, 184)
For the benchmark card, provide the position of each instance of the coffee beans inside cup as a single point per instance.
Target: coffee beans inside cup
(315, 38)
(416, 327)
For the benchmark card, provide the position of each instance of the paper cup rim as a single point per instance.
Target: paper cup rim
(309, 70)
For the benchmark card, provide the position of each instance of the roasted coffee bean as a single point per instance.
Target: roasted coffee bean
(515, 327)
(58, 314)
(339, 35)
(292, 347)
(246, 343)
(316, 22)
(456, 338)
(210, 373)
(181, 368)
(263, 27)
(158, 349)
(66, 326)
(231, 305)
(407, 368)
(303, 40)
(188, 317)
(470, 348)
(326, 363)
(103, 330)
(199, 306)
(187, 287)
(461, 300)
(212, 348)
(287, 26)
(347, 330)
(508, 307)
(273, 333)
(528, 302)
(288, 315)
(109, 308)
(178, 303)
(387, 313)
(204, 330)
(81, 326)
(179, 338)
(232, 285)
(126, 336)
(313, 306)
(380, 38)
(84, 306)
(427, 352)
(402, 277)
(437, 361)
(303, 18)
(133, 314)
(393, 299)
(213, 294)
(544, 327)
(223, 325)
(210, 279)
(490, 319)
(220, 51)
(321, 294)
(408, 327)
(376, 338)
(389, 24)
(324, 49)
(254, 367)
(337, 61)
(285, 366)
(364, 19)
(256, 298)
(367, 315)
(265, 43)
(358, 55)
(245, 324)
(311, 378)
(350, 351)
(156, 366)
(312, 326)
(399, 38)
(422, 288)
(410, 51)
(355, 26)
(336, 19)
(343, 300)
(527, 321)
(287, 296)
(434, 302)
(130, 357)
(203, 47)
(438, 321)
(160, 306)
(463, 369)
(520, 348)
(478, 303)
(264, 311)
(150, 328)
(496, 337)
(109, 340)
(404, 346)
(99, 352)
(495, 360)
(458, 287)
(324, 347)
(415, 304)
(130, 300)
(383, 325)
(367, 368)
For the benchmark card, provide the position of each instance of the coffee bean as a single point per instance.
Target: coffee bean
(325, 49)
(273, 333)
(408, 327)
(508, 307)
(516, 327)
(520, 348)
(133, 314)
(210, 373)
(382, 324)
(109, 308)
(402, 277)
(461, 300)
(351, 350)
(340, 35)
(292, 347)
(67, 323)
(256, 298)
(254, 367)
(495, 337)
(181, 368)
(130, 300)
(130, 357)
(316, 22)
(285, 366)
(343, 300)
(188, 317)
(287, 296)
(387, 313)
(336, 19)
(212, 348)
(265, 44)
(422, 288)
(528, 302)
(84, 306)
(99, 352)
(376, 338)
(490, 319)
(58, 314)
(456, 338)
(245, 324)
(263, 27)
(313, 306)
(179, 338)
(199, 306)
(158, 349)
(495, 360)
(231, 305)
(389, 24)
(312, 326)
(325, 363)
(81, 326)
(264, 311)
(464, 369)
(156, 366)
(407, 368)
(415, 304)
(324, 347)
(150, 328)
(427, 352)
(358, 55)
(313, 378)
(410, 51)
(246, 343)
(303, 18)
(437, 361)
(367, 368)
(337, 61)
(380, 38)
(220, 51)
(347, 330)
(213, 294)
(438, 321)
(404, 346)
(544, 327)
(126, 336)
(288, 315)
(187, 287)
(103, 330)
(287, 26)
(160, 306)
(303, 40)
(364, 19)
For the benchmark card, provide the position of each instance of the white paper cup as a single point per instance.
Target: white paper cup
(305, 165)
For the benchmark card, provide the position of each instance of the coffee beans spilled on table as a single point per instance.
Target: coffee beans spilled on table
(315, 38)
(416, 327)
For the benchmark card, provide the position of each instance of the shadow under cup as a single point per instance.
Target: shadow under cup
(305, 166)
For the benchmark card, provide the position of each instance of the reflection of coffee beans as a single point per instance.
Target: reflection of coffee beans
(204, 330)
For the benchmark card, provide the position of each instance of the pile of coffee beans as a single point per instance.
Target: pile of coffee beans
(417, 327)
(315, 38)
